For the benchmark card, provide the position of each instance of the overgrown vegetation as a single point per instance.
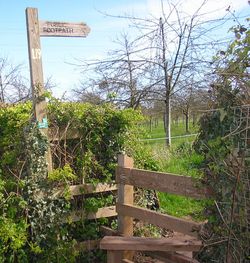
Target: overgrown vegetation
(31, 217)
(224, 143)
(184, 161)
(179, 159)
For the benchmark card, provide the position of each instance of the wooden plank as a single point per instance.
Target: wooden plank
(163, 182)
(36, 75)
(82, 189)
(173, 257)
(87, 245)
(56, 134)
(125, 196)
(149, 244)
(162, 220)
(107, 231)
(63, 29)
(102, 212)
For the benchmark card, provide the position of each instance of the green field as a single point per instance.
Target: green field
(157, 131)
(179, 159)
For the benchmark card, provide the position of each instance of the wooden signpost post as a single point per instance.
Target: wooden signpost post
(35, 29)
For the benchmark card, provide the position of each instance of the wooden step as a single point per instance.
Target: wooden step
(149, 244)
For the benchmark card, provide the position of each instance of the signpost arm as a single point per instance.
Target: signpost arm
(36, 74)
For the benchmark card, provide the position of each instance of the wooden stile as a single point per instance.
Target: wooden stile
(163, 182)
(162, 220)
(127, 177)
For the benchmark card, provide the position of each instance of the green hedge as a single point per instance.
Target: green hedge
(30, 226)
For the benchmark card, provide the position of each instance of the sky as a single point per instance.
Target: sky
(58, 54)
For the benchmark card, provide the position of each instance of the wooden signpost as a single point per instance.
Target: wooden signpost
(35, 29)
(63, 29)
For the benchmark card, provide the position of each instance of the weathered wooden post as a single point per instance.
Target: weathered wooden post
(36, 75)
(125, 196)
(35, 29)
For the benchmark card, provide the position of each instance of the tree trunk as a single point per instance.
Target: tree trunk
(150, 124)
(168, 121)
(164, 121)
(187, 121)
(194, 119)
(2, 93)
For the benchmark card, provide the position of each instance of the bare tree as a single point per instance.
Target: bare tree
(122, 78)
(191, 102)
(13, 86)
(173, 46)
(166, 52)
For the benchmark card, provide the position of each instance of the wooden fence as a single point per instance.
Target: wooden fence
(121, 243)
(186, 232)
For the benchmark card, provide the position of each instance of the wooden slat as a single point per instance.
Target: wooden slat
(107, 231)
(102, 212)
(82, 189)
(163, 182)
(88, 245)
(162, 220)
(173, 257)
(146, 244)
(63, 134)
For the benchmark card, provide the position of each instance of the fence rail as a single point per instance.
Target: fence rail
(172, 137)
(163, 182)
(82, 189)
(103, 212)
(162, 220)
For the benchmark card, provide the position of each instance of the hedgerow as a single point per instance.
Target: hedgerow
(31, 225)
(224, 143)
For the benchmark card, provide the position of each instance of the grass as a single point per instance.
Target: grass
(182, 206)
(184, 161)
(180, 159)
(176, 130)
(157, 131)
